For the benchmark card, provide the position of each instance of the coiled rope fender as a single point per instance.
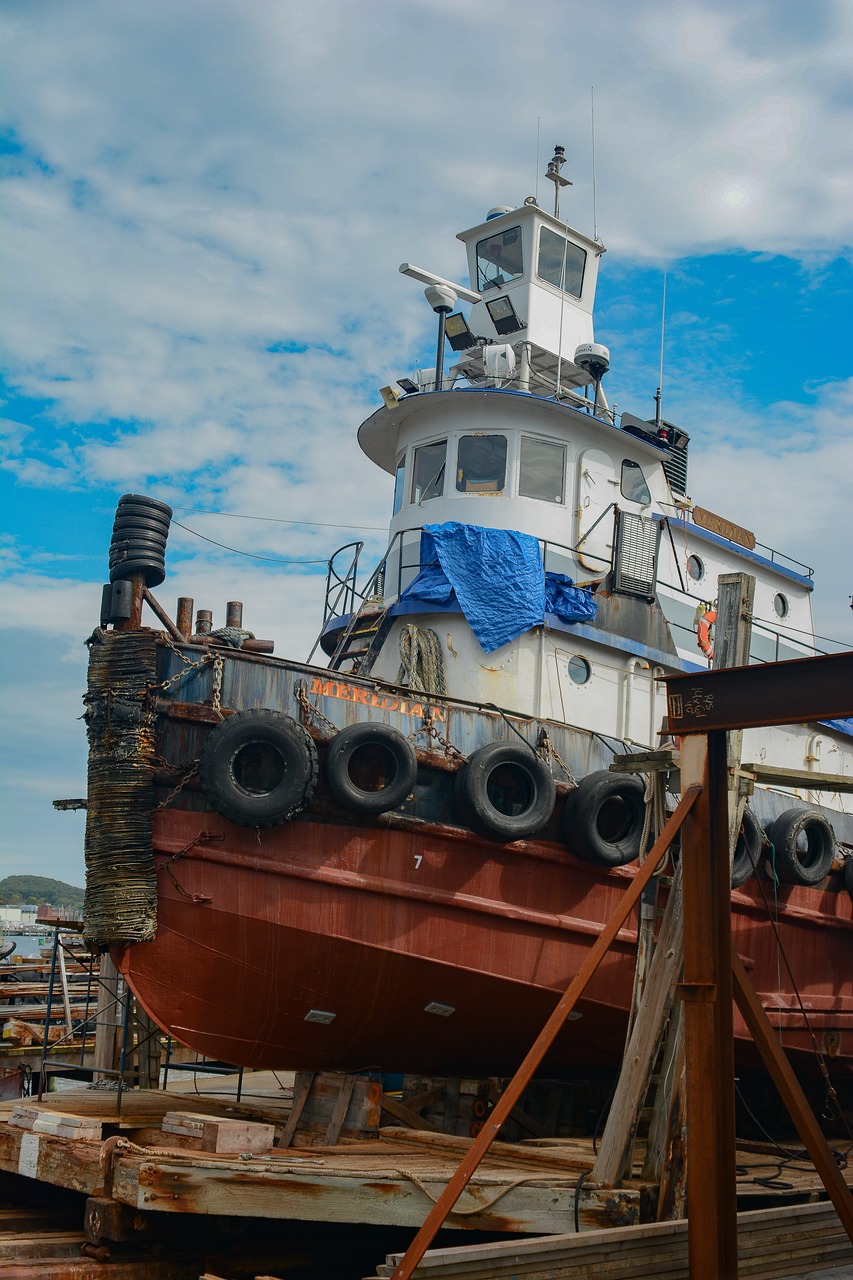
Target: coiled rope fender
(703, 637)
(421, 659)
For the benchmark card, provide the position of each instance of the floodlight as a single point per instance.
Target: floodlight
(408, 386)
(459, 335)
(503, 316)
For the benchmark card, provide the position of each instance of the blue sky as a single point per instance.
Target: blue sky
(205, 205)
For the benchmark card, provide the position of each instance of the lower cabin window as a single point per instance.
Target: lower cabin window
(542, 470)
(579, 669)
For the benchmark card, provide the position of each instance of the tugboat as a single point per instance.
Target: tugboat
(400, 859)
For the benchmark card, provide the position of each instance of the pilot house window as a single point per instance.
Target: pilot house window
(428, 477)
(481, 464)
(633, 485)
(542, 470)
(499, 259)
(399, 476)
(561, 263)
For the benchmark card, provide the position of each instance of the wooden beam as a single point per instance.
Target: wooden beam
(643, 1046)
(800, 778)
(797, 692)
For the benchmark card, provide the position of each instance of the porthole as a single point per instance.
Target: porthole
(780, 604)
(579, 669)
(695, 568)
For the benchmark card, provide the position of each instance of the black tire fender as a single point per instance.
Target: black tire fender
(258, 768)
(506, 792)
(804, 843)
(748, 848)
(604, 818)
(848, 876)
(370, 767)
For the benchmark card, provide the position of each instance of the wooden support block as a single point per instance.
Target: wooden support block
(235, 1136)
(189, 1124)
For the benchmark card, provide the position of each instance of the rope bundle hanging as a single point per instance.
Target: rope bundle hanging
(422, 660)
(121, 893)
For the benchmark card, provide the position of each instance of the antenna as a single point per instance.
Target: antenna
(536, 185)
(659, 393)
(555, 164)
(594, 199)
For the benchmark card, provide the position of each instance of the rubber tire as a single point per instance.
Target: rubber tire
(848, 877)
(472, 792)
(152, 506)
(783, 833)
(151, 570)
(253, 809)
(341, 751)
(125, 538)
(583, 809)
(139, 510)
(127, 526)
(748, 849)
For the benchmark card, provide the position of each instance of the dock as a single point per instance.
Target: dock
(157, 1170)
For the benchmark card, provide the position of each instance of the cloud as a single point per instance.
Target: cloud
(205, 205)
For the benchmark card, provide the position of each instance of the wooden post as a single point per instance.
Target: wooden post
(733, 633)
(708, 1020)
(732, 639)
(107, 1021)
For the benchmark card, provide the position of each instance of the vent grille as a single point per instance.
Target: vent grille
(635, 561)
(675, 466)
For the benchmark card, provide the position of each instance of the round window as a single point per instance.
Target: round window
(780, 604)
(579, 669)
(695, 568)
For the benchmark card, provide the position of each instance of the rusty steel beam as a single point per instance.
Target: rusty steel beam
(708, 1030)
(774, 693)
(512, 1094)
(792, 1095)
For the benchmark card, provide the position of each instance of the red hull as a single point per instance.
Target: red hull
(256, 929)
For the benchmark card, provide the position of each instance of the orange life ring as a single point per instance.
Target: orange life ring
(703, 639)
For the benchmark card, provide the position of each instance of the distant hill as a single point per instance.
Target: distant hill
(17, 891)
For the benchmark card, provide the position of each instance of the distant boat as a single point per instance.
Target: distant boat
(399, 860)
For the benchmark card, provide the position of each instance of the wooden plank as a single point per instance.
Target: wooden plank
(301, 1090)
(401, 1111)
(643, 1046)
(495, 1201)
(768, 1242)
(340, 1110)
(800, 778)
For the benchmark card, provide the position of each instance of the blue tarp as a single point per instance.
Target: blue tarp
(497, 579)
(571, 603)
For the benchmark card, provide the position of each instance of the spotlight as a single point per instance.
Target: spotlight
(503, 316)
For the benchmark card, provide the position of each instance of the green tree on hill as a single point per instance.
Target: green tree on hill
(18, 891)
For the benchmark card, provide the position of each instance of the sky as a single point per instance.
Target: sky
(205, 203)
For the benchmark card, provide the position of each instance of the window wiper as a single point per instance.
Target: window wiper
(434, 481)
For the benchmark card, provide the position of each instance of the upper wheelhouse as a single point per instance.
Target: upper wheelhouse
(514, 432)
